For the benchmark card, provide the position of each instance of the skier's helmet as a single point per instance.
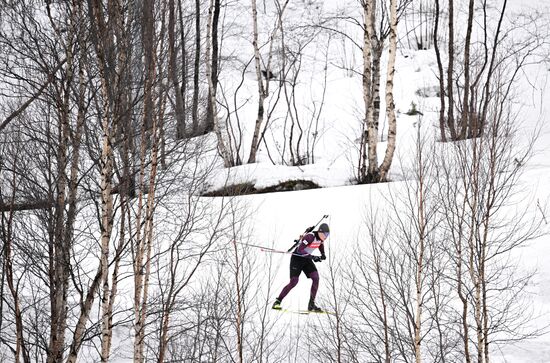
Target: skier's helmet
(323, 228)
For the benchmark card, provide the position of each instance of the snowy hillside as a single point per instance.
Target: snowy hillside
(126, 239)
(278, 218)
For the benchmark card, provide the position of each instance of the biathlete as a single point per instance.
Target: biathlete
(302, 260)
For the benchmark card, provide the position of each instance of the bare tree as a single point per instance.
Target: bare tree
(415, 242)
(173, 71)
(464, 116)
(376, 29)
(451, 54)
(336, 339)
(196, 68)
(390, 105)
(227, 156)
(209, 126)
(484, 233)
(469, 75)
(20, 352)
(183, 259)
(263, 85)
(440, 72)
(301, 135)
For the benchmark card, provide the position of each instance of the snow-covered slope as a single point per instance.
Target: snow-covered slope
(279, 217)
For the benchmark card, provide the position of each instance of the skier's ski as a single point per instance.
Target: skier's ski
(305, 312)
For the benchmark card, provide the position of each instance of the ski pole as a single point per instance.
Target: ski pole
(262, 248)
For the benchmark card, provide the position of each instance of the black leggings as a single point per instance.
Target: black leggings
(297, 265)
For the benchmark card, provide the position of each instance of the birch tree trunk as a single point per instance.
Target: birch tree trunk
(373, 45)
(390, 104)
(463, 298)
(7, 268)
(441, 74)
(146, 248)
(228, 159)
(473, 203)
(238, 320)
(142, 262)
(369, 51)
(377, 259)
(74, 175)
(107, 212)
(450, 67)
(420, 253)
(466, 107)
(66, 195)
(106, 168)
(196, 68)
(173, 71)
(490, 72)
(368, 19)
(214, 67)
(261, 88)
(108, 302)
(108, 305)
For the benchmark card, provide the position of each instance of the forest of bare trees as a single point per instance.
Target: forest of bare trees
(114, 115)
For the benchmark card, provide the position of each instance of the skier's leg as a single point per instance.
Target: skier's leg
(288, 287)
(295, 269)
(314, 276)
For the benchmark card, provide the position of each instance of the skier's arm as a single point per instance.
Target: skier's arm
(322, 250)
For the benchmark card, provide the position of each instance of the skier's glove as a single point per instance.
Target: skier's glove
(317, 258)
(323, 256)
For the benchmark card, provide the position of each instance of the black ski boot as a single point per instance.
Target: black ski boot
(277, 305)
(313, 308)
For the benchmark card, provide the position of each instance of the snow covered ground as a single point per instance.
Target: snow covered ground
(279, 217)
(274, 220)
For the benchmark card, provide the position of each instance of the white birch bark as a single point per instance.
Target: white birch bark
(390, 104)
(142, 266)
(372, 121)
(261, 88)
(109, 292)
(420, 259)
(106, 172)
(367, 88)
(238, 318)
(66, 189)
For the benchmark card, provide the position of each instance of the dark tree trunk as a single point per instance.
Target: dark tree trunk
(465, 101)
(195, 106)
(441, 76)
(450, 91)
(184, 64)
(173, 71)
